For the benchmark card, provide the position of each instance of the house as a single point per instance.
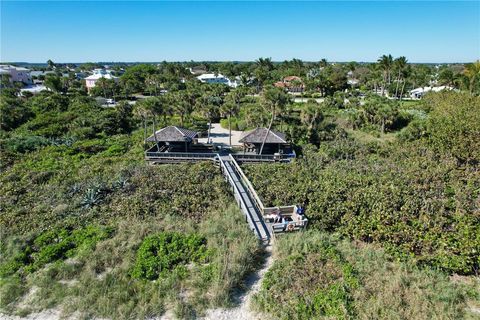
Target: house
(420, 92)
(37, 74)
(351, 79)
(198, 70)
(34, 89)
(98, 74)
(217, 78)
(16, 74)
(174, 139)
(275, 141)
(291, 84)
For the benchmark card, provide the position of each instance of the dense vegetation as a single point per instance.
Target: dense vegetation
(418, 198)
(80, 206)
(88, 226)
(319, 276)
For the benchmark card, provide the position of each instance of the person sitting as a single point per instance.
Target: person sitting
(278, 216)
(300, 210)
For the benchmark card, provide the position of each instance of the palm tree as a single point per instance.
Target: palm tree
(209, 106)
(50, 64)
(232, 105)
(385, 63)
(262, 71)
(155, 107)
(446, 77)
(405, 74)
(153, 83)
(265, 63)
(472, 73)
(182, 106)
(400, 63)
(309, 116)
(275, 100)
(142, 113)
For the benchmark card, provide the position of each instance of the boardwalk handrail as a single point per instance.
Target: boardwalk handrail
(243, 205)
(250, 187)
(264, 157)
(156, 154)
(241, 156)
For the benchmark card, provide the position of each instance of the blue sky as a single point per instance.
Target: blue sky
(67, 31)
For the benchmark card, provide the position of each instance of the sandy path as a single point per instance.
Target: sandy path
(221, 136)
(242, 310)
(51, 314)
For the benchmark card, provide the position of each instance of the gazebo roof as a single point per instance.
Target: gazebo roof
(258, 135)
(173, 134)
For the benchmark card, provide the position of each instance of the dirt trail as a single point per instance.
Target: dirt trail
(242, 310)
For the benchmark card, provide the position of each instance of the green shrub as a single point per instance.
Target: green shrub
(310, 279)
(53, 245)
(166, 251)
(23, 144)
(114, 150)
(319, 276)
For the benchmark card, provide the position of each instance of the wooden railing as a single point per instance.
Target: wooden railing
(240, 201)
(179, 155)
(249, 185)
(159, 155)
(264, 157)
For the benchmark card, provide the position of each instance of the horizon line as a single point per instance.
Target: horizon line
(221, 61)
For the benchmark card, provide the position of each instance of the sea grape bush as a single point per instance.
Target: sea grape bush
(158, 254)
(408, 200)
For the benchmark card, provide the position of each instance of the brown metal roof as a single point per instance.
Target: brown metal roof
(257, 135)
(173, 134)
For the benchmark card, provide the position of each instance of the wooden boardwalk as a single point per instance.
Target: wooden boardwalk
(244, 197)
(258, 217)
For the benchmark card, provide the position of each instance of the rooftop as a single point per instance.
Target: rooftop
(211, 76)
(258, 135)
(100, 75)
(173, 134)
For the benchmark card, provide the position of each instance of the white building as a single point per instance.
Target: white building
(16, 74)
(217, 78)
(35, 89)
(97, 74)
(419, 92)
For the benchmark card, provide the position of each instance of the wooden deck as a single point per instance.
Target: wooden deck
(172, 157)
(260, 219)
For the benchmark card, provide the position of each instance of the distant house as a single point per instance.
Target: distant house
(275, 141)
(36, 74)
(217, 78)
(291, 84)
(16, 74)
(34, 89)
(174, 139)
(420, 92)
(198, 70)
(351, 80)
(98, 74)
